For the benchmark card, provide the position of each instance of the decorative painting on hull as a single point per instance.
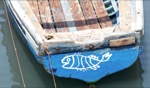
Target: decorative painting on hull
(82, 62)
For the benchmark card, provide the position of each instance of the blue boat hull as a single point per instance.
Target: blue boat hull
(120, 59)
(88, 66)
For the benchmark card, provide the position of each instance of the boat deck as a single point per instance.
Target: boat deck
(74, 15)
(61, 26)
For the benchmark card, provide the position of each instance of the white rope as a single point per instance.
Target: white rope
(15, 49)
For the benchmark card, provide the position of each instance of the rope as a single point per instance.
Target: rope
(48, 53)
(15, 49)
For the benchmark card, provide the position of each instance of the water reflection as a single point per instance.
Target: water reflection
(130, 77)
(33, 72)
(11, 55)
(5, 74)
(145, 56)
(36, 76)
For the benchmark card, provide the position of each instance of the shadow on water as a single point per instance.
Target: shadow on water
(145, 56)
(35, 75)
(128, 78)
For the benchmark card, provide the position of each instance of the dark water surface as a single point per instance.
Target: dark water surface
(137, 76)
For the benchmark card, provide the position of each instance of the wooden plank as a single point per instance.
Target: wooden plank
(89, 14)
(34, 7)
(58, 16)
(78, 15)
(122, 42)
(68, 15)
(29, 17)
(125, 14)
(101, 13)
(46, 16)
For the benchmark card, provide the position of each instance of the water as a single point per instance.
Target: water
(137, 76)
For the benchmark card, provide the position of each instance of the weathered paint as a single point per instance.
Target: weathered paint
(101, 13)
(122, 42)
(19, 29)
(120, 59)
(89, 14)
(58, 16)
(64, 46)
(78, 15)
(68, 15)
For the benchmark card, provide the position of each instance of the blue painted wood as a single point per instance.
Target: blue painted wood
(112, 9)
(94, 66)
(115, 7)
(120, 59)
(107, 2)
(19, 29)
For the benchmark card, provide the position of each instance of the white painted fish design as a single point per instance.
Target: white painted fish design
(81, 62)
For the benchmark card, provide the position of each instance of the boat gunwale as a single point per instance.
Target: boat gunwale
(47, 44)
(27, 35)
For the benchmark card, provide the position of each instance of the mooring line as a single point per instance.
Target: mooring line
(50, 64)
(15, 49)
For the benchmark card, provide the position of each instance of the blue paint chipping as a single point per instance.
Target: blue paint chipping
(121, 58)
(88, 66)
(112, 9)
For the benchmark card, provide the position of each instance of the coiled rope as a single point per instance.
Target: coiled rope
(14, 45)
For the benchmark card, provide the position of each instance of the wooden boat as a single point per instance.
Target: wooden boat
(80, 39)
